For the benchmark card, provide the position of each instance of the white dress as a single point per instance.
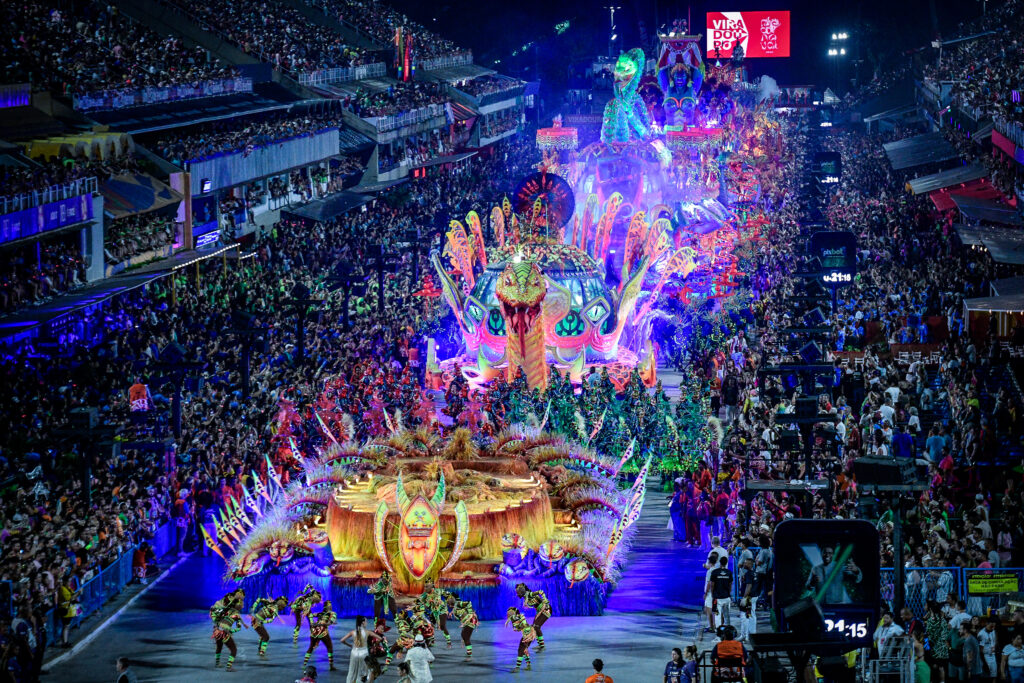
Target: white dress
(357, 660)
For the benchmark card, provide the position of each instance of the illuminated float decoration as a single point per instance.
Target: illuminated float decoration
(474, 514)
(549, 297)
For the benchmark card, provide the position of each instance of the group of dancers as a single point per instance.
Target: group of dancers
(428, 615)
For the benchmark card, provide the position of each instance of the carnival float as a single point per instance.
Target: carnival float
(473, 515)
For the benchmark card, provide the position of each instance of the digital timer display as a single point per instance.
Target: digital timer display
(851, 629)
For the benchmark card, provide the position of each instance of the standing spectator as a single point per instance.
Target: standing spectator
(937, 631)
(1012, 667)
(674, 668)
(721, 589)
(67, 606)
(987, 643)
(181, 515)
(885, 635)
(972, 653)
(763, 567)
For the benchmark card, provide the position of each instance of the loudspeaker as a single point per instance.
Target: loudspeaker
(807, 407)
(84, 418)
(810, 353)
(815, 317)
(804, 617)
(882, 471)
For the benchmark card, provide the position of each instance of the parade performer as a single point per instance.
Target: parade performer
(378, 649)
(302, 606)
(538, 601)
(319, 632)
(263, 612)
(434, 601)
(421, 625)
(520, 624)
(464, 612)
(383, 593)
(226, 621)
(405, 637)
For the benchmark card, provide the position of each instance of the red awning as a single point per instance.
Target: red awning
(979, 189)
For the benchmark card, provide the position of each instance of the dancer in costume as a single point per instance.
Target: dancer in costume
(421, 625)
(405, 637)
(302, 606)
(464, 612)
(383, 593)
(319, 632)
(263, 612)
(226, 621)
(378, 650)
(434, 601)
(538, 601)
(526, 636)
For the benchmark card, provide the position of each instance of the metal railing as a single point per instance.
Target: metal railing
(53, 193)
(342, 74)
(445, 62)
(1011, 130)
(15, 95)
(108, 583)
(124, 98)
(409, 118)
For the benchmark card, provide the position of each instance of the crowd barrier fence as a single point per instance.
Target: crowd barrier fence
(343, 74)
(108, 583)
(47, 195)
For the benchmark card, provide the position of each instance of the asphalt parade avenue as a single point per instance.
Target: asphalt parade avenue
(166, 633)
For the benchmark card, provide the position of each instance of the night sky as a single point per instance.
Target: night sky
(493, 30)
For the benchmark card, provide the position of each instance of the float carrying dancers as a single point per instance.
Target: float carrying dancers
(263, 612)
(226, 621)
(319, 632)
(538, 601)
(302, 606)
(464, 612)
(526, 636)
(383, 593)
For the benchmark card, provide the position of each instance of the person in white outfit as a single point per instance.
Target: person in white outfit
(360, 643)
(419, 658)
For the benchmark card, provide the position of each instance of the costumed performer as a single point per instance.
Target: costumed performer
(405, 637)
(226, 621)
(263, 612)
(526, 636)
(302, 606)
(464, 612)
(383, 592)
(538, 601)
(320, 632)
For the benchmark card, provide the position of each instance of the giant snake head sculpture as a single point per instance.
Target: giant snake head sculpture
(629, 68)
(521, 289)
